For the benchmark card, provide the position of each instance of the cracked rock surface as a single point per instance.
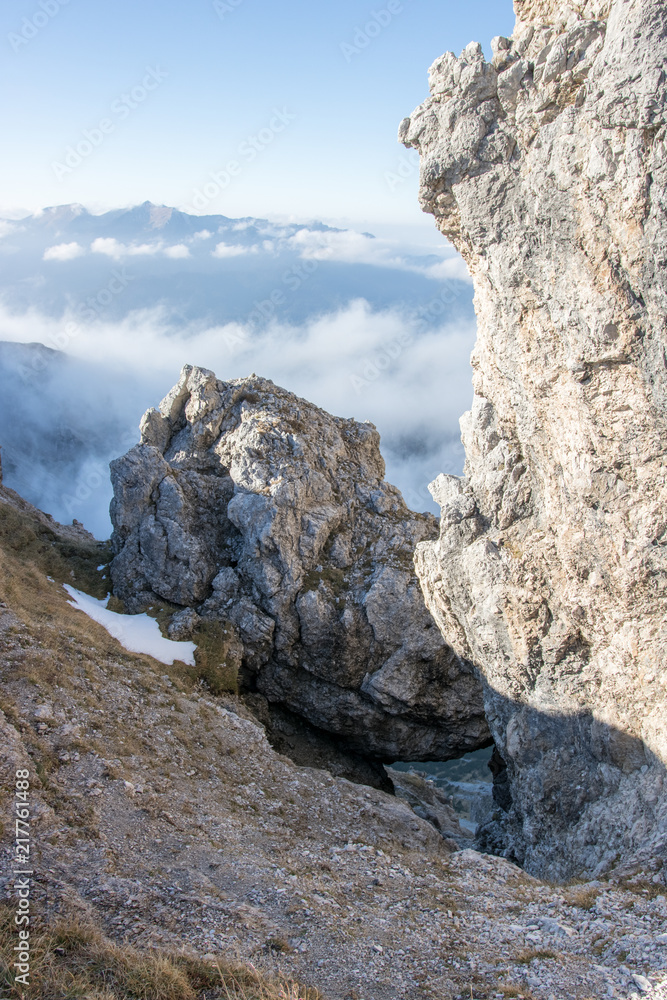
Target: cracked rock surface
(259, 510)
(546, 168)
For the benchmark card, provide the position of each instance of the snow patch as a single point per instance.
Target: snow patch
(136, 633)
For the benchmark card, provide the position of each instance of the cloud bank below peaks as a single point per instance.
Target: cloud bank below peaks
(410, 377)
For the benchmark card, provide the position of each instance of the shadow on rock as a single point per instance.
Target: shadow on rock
(574, 795)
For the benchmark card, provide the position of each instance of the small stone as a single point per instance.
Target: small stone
(182, 625)
(641, 982)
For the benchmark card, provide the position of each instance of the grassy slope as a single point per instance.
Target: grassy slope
(74, 958)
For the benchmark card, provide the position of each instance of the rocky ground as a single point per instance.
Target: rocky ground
(162, 813)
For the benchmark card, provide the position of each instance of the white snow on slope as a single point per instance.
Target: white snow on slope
(136, 633)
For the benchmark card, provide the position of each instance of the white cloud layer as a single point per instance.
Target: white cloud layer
(63, 251)
(117, 250)
(410, 378)
(332, 246)
(350, 247)
(224, 250)
(177, 252)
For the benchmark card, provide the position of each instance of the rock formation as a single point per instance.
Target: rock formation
(546, 168)
(246, 505)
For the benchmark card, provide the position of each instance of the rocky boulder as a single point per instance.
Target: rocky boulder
(254, 508)
(547, 168)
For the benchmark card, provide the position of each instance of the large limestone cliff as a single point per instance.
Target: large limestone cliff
(547, 169)
(259, 511)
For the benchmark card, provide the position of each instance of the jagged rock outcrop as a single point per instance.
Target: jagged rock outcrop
(257, 509)
(547, 169)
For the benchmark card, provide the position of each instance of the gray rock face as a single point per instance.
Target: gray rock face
(258, 509)
(547, 169)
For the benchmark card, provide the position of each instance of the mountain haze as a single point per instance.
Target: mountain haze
(124, 299)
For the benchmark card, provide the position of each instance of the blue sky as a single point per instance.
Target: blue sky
(284, 111)
(186, 89)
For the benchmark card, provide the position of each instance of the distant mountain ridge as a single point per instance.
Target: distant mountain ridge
(145, 220)
(211, 269)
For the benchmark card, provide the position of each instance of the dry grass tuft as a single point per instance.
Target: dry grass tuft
(217, 658)
(74, 959)
(54, 643)
(642, 888)
(510, 990)
(584, 896)
(528, 954)
(155, 977)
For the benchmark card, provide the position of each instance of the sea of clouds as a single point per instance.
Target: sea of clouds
(71, 405)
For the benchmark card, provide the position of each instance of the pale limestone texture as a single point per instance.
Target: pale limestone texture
(547, 169)
(261, 511)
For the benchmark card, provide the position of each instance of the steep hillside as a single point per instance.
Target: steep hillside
(162, 819)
